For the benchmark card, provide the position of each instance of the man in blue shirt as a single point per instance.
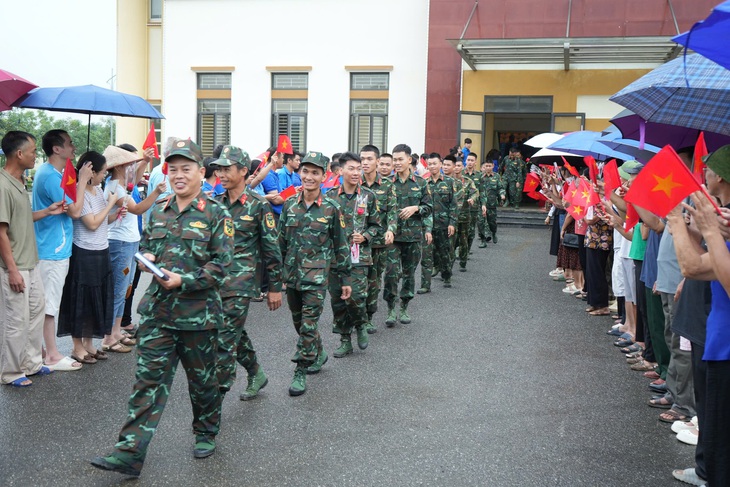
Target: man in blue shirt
(288, 174)
(271, 183)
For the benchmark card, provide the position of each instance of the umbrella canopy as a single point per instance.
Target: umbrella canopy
(710, 37)
(688, 92)
(543, 140)
(551, 153)
(12, 87)
(586, 143)
(89, 99)
(634, 148)
(660, 134)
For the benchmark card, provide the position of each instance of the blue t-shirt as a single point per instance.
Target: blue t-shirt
(464, 153)
(287, 178)
(137, 198)
(649, 269)
(216, 190)
(271, 183)
(717, 343)
(54, 234)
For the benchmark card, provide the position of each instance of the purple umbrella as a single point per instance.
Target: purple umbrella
(659, 134)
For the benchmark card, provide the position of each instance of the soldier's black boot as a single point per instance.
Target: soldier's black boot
(392, 316)
(345, 347)
(404, 317)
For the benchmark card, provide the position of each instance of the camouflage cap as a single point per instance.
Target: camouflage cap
(187, 149)
(719, 162)
(231, 155)
(315, 159)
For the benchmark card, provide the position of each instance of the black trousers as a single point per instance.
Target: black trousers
(127, 316)
(596, 277)
(699, 375)
(642, 322)
(716, 428)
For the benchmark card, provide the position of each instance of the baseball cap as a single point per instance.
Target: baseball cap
(187, 149)
(630, 168)
(231, 155)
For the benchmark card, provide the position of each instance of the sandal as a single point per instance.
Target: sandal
(599, 312)
(654, 376)
(100, 355)
(632, 348)
(128, 341)
(21, 382)
(660, 403)
(623, 342)
(590, 309)
(116, 347)
(643, 366)
(86, 359)
(615, 317)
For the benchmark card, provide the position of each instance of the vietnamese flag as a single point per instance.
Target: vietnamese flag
(585, 196)
(663, 183)
(68, 181)
(611, 178)
(536, 195)
(532, 181)
(330, 180)
(288, 192)
(699, 165)
(284, 145)
(632, 217)
(151, 142)
(570, 168)
(578, 212)
(570, 192)
(592, 168)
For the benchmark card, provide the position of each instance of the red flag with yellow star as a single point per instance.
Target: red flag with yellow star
(700, 152)
(611, 178)
(592, 168)
(532, 181)
(585, 196)
(68, 180)
(569, 192)
(632, 217)
(578, 212)
(570, 168)
(663, 183)
(284, 145)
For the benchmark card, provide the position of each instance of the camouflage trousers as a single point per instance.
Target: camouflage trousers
(426, 262)
(443, 254)
(351, 313)
(514, 194)
(234, 343)
(462, 240)
(306, 308)
(158, 352)
(402, 262)
(488, 224)
(473, 220)
(375, 276)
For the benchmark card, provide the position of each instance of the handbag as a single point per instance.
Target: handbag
(571, 240)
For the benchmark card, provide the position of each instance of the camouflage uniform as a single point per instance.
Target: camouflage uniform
(406, 251)
(353, 312)
(385, 194)
(179, 325)
(492, 193)
(475, 209)
(256, 239)
(445, 212)
(314, 245)
(469, 191)
(514, 172)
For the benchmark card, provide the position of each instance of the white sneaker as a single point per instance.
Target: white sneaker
(678, 426)
(570, 289)
(688, 436)
(688, 476)
(555, 272)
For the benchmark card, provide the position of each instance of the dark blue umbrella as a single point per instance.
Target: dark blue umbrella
(88, 99)
(710, 37)
(688, 92)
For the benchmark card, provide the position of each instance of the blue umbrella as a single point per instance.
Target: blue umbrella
(634, 148)
(88, 99)
(586, 143)
(688, 92)
(710, 37)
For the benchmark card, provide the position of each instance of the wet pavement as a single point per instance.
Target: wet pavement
(501, 380)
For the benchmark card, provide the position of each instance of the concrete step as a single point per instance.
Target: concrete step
(522, 218)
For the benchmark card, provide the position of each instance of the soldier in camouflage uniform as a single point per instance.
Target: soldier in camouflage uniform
(492, 194)
(469, 193)
(385, 194)
(514, 176)
(414, 209)
(256, 240)
(313, 245)
(445, 212)
(471, 172)
(362, 224)
(189, 236)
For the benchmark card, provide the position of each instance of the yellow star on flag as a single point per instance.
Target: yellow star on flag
(284, 144)
(665, 184)
(71, 181)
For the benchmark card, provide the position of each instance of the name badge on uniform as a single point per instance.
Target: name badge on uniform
(158, 224)
(323, 220)
(415, 189)
(247, 218)
(379, 191)
(199, 225)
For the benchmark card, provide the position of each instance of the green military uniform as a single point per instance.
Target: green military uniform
(406, 252)
(514, 172)
(474, 209)
(313, 245)
(255, 241)
(385, 194)
(492, 193)
(362, 215)
(469, 192)
(178, 325)
(445, 213)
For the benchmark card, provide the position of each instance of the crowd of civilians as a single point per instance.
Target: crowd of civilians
(670, 278)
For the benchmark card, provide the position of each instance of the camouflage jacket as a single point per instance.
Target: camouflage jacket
(413, 192)
(492, 190)
(475, 178)
(196, 243)
(313, 242)
(368, 223)
(469, 191)
(445, 208)
(385, 194)
(256, 239)
(513, 169)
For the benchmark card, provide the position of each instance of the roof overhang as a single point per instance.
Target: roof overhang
(565, 52)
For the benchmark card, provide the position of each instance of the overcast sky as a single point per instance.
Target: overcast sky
(59, 42)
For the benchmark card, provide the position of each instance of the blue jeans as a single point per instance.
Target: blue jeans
(123, 267)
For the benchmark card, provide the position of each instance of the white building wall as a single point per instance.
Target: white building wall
(325, 34)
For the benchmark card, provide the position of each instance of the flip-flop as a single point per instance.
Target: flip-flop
(66, 364)
(660, 403)
(632, 348)
(19, 382)
(44, 370)
(128, 341)
(116, 347)
(599, 313)
(86, 359)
